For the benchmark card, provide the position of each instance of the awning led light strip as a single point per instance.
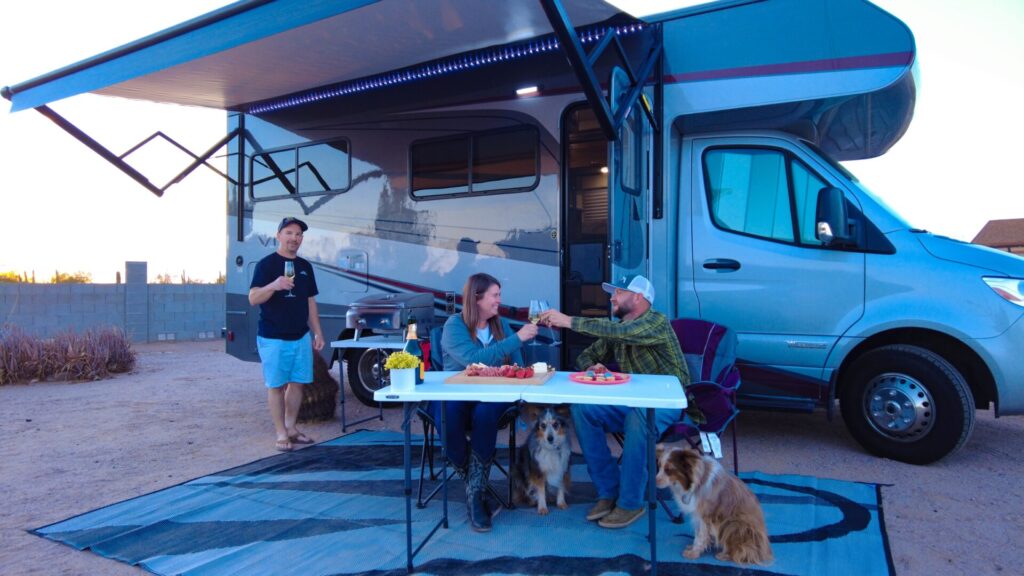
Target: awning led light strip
(439, 68)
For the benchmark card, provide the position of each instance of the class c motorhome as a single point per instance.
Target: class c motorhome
(560, 144)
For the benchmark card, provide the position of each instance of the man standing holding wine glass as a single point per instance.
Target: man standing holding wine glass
(284, 288)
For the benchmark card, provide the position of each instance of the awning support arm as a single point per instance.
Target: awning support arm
(120, 164)
(583, 65)
(580, 63)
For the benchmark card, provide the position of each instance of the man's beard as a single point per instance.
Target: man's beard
(620, 311)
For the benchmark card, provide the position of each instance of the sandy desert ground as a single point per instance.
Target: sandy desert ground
(189, 409)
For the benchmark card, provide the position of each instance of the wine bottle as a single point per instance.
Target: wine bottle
(412, 346)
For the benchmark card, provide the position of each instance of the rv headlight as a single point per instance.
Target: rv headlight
(1010, 289)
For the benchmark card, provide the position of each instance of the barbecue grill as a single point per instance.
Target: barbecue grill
(390, 313)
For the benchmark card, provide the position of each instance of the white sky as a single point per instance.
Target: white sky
(63, 207)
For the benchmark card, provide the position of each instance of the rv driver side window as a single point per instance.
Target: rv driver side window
(748, 192)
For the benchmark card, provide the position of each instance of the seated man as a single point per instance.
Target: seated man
(642, 342)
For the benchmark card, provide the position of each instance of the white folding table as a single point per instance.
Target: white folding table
(642, 392)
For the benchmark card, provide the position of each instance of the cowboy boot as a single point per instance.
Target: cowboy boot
(476, 485)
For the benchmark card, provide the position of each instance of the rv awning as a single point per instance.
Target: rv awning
(254, 50)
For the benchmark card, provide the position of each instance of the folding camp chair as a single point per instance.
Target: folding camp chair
(710, 352)
(507, 419)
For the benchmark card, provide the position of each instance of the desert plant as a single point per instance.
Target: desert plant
(91, 355)
(72, 278)
(118, 348)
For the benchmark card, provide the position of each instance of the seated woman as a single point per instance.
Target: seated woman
(478, 334)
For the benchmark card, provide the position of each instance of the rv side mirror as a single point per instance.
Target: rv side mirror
(832, 225)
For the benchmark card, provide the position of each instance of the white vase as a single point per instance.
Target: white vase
(404, 379)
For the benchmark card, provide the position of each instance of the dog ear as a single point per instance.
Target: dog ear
(563, 410)
(530, 412)
(659, 450)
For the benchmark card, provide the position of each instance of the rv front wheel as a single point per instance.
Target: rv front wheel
(907, 403)
(366, 374)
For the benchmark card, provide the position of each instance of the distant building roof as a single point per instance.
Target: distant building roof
(1001, 233)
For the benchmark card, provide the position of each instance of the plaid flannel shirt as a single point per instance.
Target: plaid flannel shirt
(644, 345)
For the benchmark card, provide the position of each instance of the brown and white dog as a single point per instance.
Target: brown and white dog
(543, 461)
(723, 511)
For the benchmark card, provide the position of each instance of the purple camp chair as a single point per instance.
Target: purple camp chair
(710, 351)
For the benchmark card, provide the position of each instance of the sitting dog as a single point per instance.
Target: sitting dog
(543, 460)
(724, 512)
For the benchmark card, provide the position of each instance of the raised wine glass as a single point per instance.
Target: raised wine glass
(544, 307)
(289, 272)
(535, 310)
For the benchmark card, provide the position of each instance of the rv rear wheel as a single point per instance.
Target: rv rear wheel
(366, 374)
(907, 403)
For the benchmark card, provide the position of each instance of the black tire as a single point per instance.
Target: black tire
(364, 374)
(906, 403)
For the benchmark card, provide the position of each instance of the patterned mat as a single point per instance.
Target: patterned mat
(337, 508)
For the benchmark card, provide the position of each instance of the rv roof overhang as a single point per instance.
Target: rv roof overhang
(256, 50)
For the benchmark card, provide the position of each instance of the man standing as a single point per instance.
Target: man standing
(642, 342)
(284, 288)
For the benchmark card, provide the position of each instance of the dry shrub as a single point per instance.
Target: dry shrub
(91, 355)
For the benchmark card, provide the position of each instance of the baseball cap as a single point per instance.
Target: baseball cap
(291, 220)
(638, 284)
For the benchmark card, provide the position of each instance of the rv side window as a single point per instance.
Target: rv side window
(504, 161)
(501, 161)
(323, 167)
(310, 170)
(273, 174)
(748, 192)
(440, 167)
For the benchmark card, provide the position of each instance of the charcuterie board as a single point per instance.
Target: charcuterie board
(462, 378)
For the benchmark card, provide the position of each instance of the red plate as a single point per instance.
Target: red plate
(581, 377)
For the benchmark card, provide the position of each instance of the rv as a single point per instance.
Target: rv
(559, 145)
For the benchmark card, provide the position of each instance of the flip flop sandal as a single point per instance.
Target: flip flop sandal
(283, 446)
(301, 438)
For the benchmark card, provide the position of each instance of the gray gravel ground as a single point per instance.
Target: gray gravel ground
(189, 409)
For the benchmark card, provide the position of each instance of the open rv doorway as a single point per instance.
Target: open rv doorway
(606, 230)
(585, 265)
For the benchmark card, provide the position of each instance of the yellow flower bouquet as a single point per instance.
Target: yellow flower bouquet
(401, 360)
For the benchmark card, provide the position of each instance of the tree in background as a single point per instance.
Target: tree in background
(164, 279)
(221, 278)
(71, 278)
(10, 277)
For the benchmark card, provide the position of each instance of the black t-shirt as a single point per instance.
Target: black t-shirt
(281, 317)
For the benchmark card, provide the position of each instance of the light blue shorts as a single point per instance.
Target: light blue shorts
(286, 361)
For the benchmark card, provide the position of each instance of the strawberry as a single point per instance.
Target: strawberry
(521, 373)
(529, 372)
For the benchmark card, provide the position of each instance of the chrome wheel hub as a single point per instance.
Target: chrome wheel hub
(899, 407)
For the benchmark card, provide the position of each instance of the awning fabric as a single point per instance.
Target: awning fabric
(255, 50)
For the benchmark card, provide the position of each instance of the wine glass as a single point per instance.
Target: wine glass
(544, 307)
(535, 311)
(289, 272)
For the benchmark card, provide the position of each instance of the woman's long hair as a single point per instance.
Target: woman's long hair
(475, 287)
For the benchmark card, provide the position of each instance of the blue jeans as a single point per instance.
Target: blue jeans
(628, 486)
(482, 417)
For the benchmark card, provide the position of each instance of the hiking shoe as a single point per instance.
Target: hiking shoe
(620, 518)
(601, 509)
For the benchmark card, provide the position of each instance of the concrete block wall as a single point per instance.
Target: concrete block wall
(184, 312)
(145, 312)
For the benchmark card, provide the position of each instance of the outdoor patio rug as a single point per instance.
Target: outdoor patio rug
(337, 508)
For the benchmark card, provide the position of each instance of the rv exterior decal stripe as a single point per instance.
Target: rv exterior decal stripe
(394, 286)
(826, 65)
